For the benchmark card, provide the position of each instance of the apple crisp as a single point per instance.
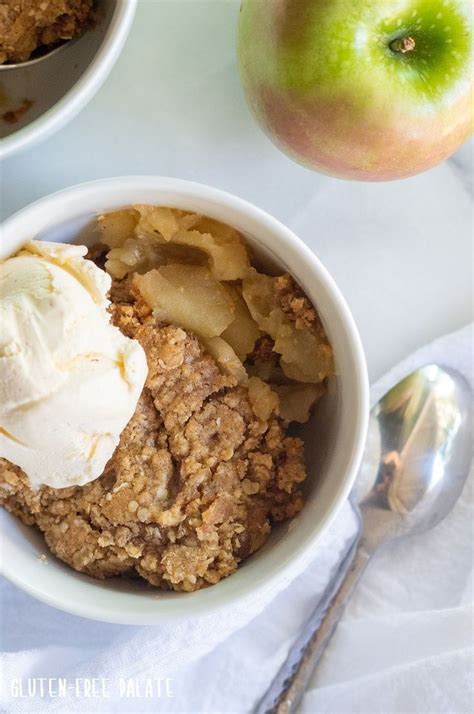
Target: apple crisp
(206, 465)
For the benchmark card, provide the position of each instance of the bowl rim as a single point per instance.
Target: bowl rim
(81, 91)
(205, 601)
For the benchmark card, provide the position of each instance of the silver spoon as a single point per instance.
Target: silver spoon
(417, 459)
(44, 55)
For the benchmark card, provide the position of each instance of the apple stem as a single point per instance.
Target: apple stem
(403, 45)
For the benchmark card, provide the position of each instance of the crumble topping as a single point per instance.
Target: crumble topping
(294, 302)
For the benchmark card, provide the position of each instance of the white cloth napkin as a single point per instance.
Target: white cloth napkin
(404, 645)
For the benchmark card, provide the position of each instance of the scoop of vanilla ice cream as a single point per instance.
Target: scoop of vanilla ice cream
(69, 379)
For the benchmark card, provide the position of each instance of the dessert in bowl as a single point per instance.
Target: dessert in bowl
(208, 485)
(39, 98)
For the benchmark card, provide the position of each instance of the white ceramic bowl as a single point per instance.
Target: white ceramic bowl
(60, 86)
(334, 437)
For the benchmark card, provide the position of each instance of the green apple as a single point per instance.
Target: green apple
(362, 89)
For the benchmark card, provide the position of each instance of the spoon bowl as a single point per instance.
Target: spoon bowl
(41, 56)
(417, 456)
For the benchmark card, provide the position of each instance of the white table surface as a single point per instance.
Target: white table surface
(173, 105)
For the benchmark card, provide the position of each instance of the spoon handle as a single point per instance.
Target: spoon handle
(288, 687)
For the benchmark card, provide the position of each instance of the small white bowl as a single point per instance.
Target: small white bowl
(60, 86)
(334, 437)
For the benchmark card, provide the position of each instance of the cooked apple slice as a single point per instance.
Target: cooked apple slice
(139, 255)
(187, 296)
(157, 222)
(263, 399)
(303, 356)
(187, 220)
(226, 358)
(243, 331)
(258, 293)
(221, 232)
(306, 356)
(132, 256)
(227, 261)
(117, 226)
(297, 400)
